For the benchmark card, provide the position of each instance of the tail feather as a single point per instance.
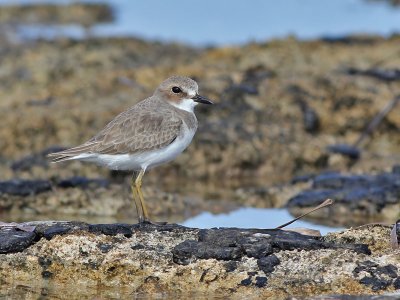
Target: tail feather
(55, 158)
(69, 153)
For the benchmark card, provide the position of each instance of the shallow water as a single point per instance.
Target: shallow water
(253, 218)
(233, 22)
(244, 217)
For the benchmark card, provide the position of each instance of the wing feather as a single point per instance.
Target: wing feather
(146, 126)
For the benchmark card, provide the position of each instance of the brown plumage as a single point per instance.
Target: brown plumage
(150, 124)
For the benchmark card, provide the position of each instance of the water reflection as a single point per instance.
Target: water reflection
(253, 218)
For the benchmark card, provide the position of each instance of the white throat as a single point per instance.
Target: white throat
(185, 104)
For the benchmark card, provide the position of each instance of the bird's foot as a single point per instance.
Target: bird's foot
(145, 221)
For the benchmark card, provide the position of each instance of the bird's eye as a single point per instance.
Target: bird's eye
(176, 90)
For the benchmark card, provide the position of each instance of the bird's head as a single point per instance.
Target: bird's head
(181, 92)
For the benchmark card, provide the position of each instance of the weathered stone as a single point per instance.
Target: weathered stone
(233, 244)
(344, 149)
(82, 182)
(378, 277)
(267, 264)
(85, 14)
(111, 229)
(21, 187)
(55, 230)
(381, 74)
(12, 240)
(364, 197)
(37, 159)
(165, 259)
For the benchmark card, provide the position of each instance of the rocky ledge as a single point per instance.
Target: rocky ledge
(137, 259)
(359, 198)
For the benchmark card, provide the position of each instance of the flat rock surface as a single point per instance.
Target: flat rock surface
(359, 198)
(171, 259)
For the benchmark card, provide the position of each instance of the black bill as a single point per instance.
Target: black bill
(201, 99)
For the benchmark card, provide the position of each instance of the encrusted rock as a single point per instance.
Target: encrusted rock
(170, 259)
(19, 187)
(358, 198)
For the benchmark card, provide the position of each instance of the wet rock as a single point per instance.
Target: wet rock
(105, 248)
(88, 254)
(242, 89)
(347, 150)
(350, 40)
(267, 264)
(83, 182)
(37, 159)
(233, 244)
(12, 240)
(111, 229)
(49, 229)
(40, 102)
(55, 230)
(375, 276)
(381, 74)
(19, 187)
(311, 120)
(367, 196)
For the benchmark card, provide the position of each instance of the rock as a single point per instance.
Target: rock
(381, 74)
(350, 40)
(12, 240)
(37, 159)
(111, 229)
(86, 14)
(358, 198)
(347, 150)
(233, 244)
(311, 120)
(232, 262)
(268, 263)
(83, 182)
(19, 187)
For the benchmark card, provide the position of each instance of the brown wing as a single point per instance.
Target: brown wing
(141, 128)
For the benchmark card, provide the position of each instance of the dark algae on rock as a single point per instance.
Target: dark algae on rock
(358, 198)
(149, 258)
(233, 244)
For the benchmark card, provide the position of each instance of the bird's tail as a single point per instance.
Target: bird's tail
(68, 154)
(58, 157)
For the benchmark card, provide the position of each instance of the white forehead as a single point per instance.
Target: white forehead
(192, 91)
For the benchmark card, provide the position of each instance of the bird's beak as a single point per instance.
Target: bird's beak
(201, 99)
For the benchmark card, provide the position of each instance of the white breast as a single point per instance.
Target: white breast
(144, 160)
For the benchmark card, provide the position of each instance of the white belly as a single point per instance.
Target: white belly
(144, 160)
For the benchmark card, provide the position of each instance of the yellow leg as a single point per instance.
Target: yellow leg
(138, 185)
(136, 198)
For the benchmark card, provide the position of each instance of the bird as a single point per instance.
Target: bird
(152, 132)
